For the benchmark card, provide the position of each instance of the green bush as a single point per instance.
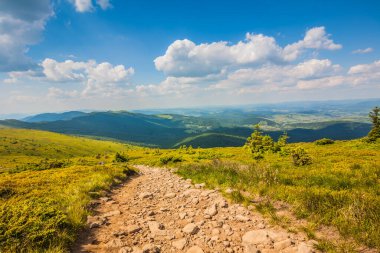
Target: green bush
(300, 157)
(324, 141)
(170, 158)
(121, 158)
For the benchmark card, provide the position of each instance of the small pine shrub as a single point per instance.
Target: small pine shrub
(300, 157)
(121, 158)
(324, 141)
(170, 158)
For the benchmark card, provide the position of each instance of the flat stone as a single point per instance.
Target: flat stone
(195, 249)
(112, 213)
(211, 211)
(156, 228)
(255, 237)
(170, 195)
(304, 248)
(242, 218)
(282, 244)
(145, 195)
(131, 229)
(191, 228)
(180, 244)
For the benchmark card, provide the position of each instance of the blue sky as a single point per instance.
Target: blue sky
(119, 54)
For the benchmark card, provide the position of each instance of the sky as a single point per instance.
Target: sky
(61, 55)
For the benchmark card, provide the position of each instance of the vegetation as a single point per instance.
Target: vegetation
(374, 134)
(46, 184)
(47, 181)
(260, 144)
(324, 141)
(223, 128)
(300, 157)
(340, 188)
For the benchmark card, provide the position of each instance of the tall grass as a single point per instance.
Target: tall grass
(348, 201)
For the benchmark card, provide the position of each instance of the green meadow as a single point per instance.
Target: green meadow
(47, 181)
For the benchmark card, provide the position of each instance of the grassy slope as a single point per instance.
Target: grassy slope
(46, 180)
(42, 208)
(340, 188)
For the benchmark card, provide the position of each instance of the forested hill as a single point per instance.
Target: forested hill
(170, 130)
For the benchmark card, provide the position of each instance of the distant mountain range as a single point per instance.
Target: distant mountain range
(228, 127)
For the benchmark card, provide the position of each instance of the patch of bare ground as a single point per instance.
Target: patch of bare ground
(160, 212)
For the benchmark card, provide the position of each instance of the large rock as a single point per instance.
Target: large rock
(251, 239)
(191, 228)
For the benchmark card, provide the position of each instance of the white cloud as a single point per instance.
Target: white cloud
(185, 58)
(83, 5)
(358, 75)
(104, 4)
(88, 5)
(325, 82)
(372, 68)
(103, 79)
(21, 25)
(363, 51)
(275, 77)
(315, 38)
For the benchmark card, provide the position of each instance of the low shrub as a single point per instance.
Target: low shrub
(300, 157)
(121, 158)
(324, 141)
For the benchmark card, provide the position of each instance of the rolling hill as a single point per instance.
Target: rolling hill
(171, 130)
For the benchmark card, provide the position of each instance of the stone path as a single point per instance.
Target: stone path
(161, 212)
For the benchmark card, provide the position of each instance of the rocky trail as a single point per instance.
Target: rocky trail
(158, 211)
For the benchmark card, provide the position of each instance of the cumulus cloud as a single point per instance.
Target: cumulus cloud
(21, 25)
(315, 38)
(363, 51)
(372, 68)
(358, 75)
(275, 77)
(88, 5)
(103, 79)
(185, 58)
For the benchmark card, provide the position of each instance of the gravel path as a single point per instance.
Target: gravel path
(161, 212)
